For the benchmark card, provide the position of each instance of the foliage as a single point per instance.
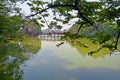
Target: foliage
(12, 56)
(89, 12)
(86, 14)
(33, 25)
(11, 59)
(10, 20)
(86, 47)
(74, 28)
(32, 45)
(10, 27)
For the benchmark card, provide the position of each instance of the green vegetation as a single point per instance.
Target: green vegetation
(10, 60)
(12, 22)
(86, 47)
(32, 27)
(12, 56)
(31, 45)
(93, 19)
(9, 23)
(9, 27)
(96, 29)
(96, 20)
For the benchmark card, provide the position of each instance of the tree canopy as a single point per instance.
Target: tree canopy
(102, 17)
(10, 20)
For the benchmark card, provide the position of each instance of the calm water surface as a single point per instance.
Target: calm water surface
(67, 63)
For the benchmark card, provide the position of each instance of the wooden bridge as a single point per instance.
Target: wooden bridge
(54, 36)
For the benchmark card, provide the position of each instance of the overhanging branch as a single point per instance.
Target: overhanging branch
(81, 25)
(51, 6)
(75, 6)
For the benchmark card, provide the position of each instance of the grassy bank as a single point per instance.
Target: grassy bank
(87, 47)
(32, 45)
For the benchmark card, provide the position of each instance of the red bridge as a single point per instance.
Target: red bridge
(51, 36)
(54, 33)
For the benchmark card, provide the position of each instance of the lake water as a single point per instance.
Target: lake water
(65, 62)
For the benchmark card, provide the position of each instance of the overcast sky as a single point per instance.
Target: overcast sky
(26, 10)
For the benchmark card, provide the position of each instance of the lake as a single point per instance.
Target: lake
(51, 61)
(67, 63)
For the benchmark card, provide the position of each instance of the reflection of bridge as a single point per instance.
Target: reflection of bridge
(51, 36)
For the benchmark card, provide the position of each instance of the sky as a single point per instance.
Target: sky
(26, 11)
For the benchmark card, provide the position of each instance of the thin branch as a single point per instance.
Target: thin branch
(117, 39)
(46, 22)
(51, 6)
(51, 1)
(77, 2)
(81, 25)
(75, 6)
(25, 24)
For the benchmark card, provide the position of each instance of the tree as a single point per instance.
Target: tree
(86, 13)
(10, 20)
(31, 27)
(13, 57)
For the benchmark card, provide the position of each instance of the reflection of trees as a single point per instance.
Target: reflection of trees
(86, 47)
(10, 61)
(32, 45)
(11, 58)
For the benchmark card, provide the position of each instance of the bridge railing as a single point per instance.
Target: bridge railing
(50, 36)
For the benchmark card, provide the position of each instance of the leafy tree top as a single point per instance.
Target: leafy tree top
(86, 14)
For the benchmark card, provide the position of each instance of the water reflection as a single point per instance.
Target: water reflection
(11, 60)
(67, 63)
(85, 47)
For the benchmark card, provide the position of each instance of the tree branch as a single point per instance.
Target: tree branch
(51, 6)
(117, 39)
(46, 22)
(75, 6)
(81, 25)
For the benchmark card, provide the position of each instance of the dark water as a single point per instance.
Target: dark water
(67, 63)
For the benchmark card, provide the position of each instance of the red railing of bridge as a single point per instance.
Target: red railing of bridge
(55, 33)
(58, 33)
